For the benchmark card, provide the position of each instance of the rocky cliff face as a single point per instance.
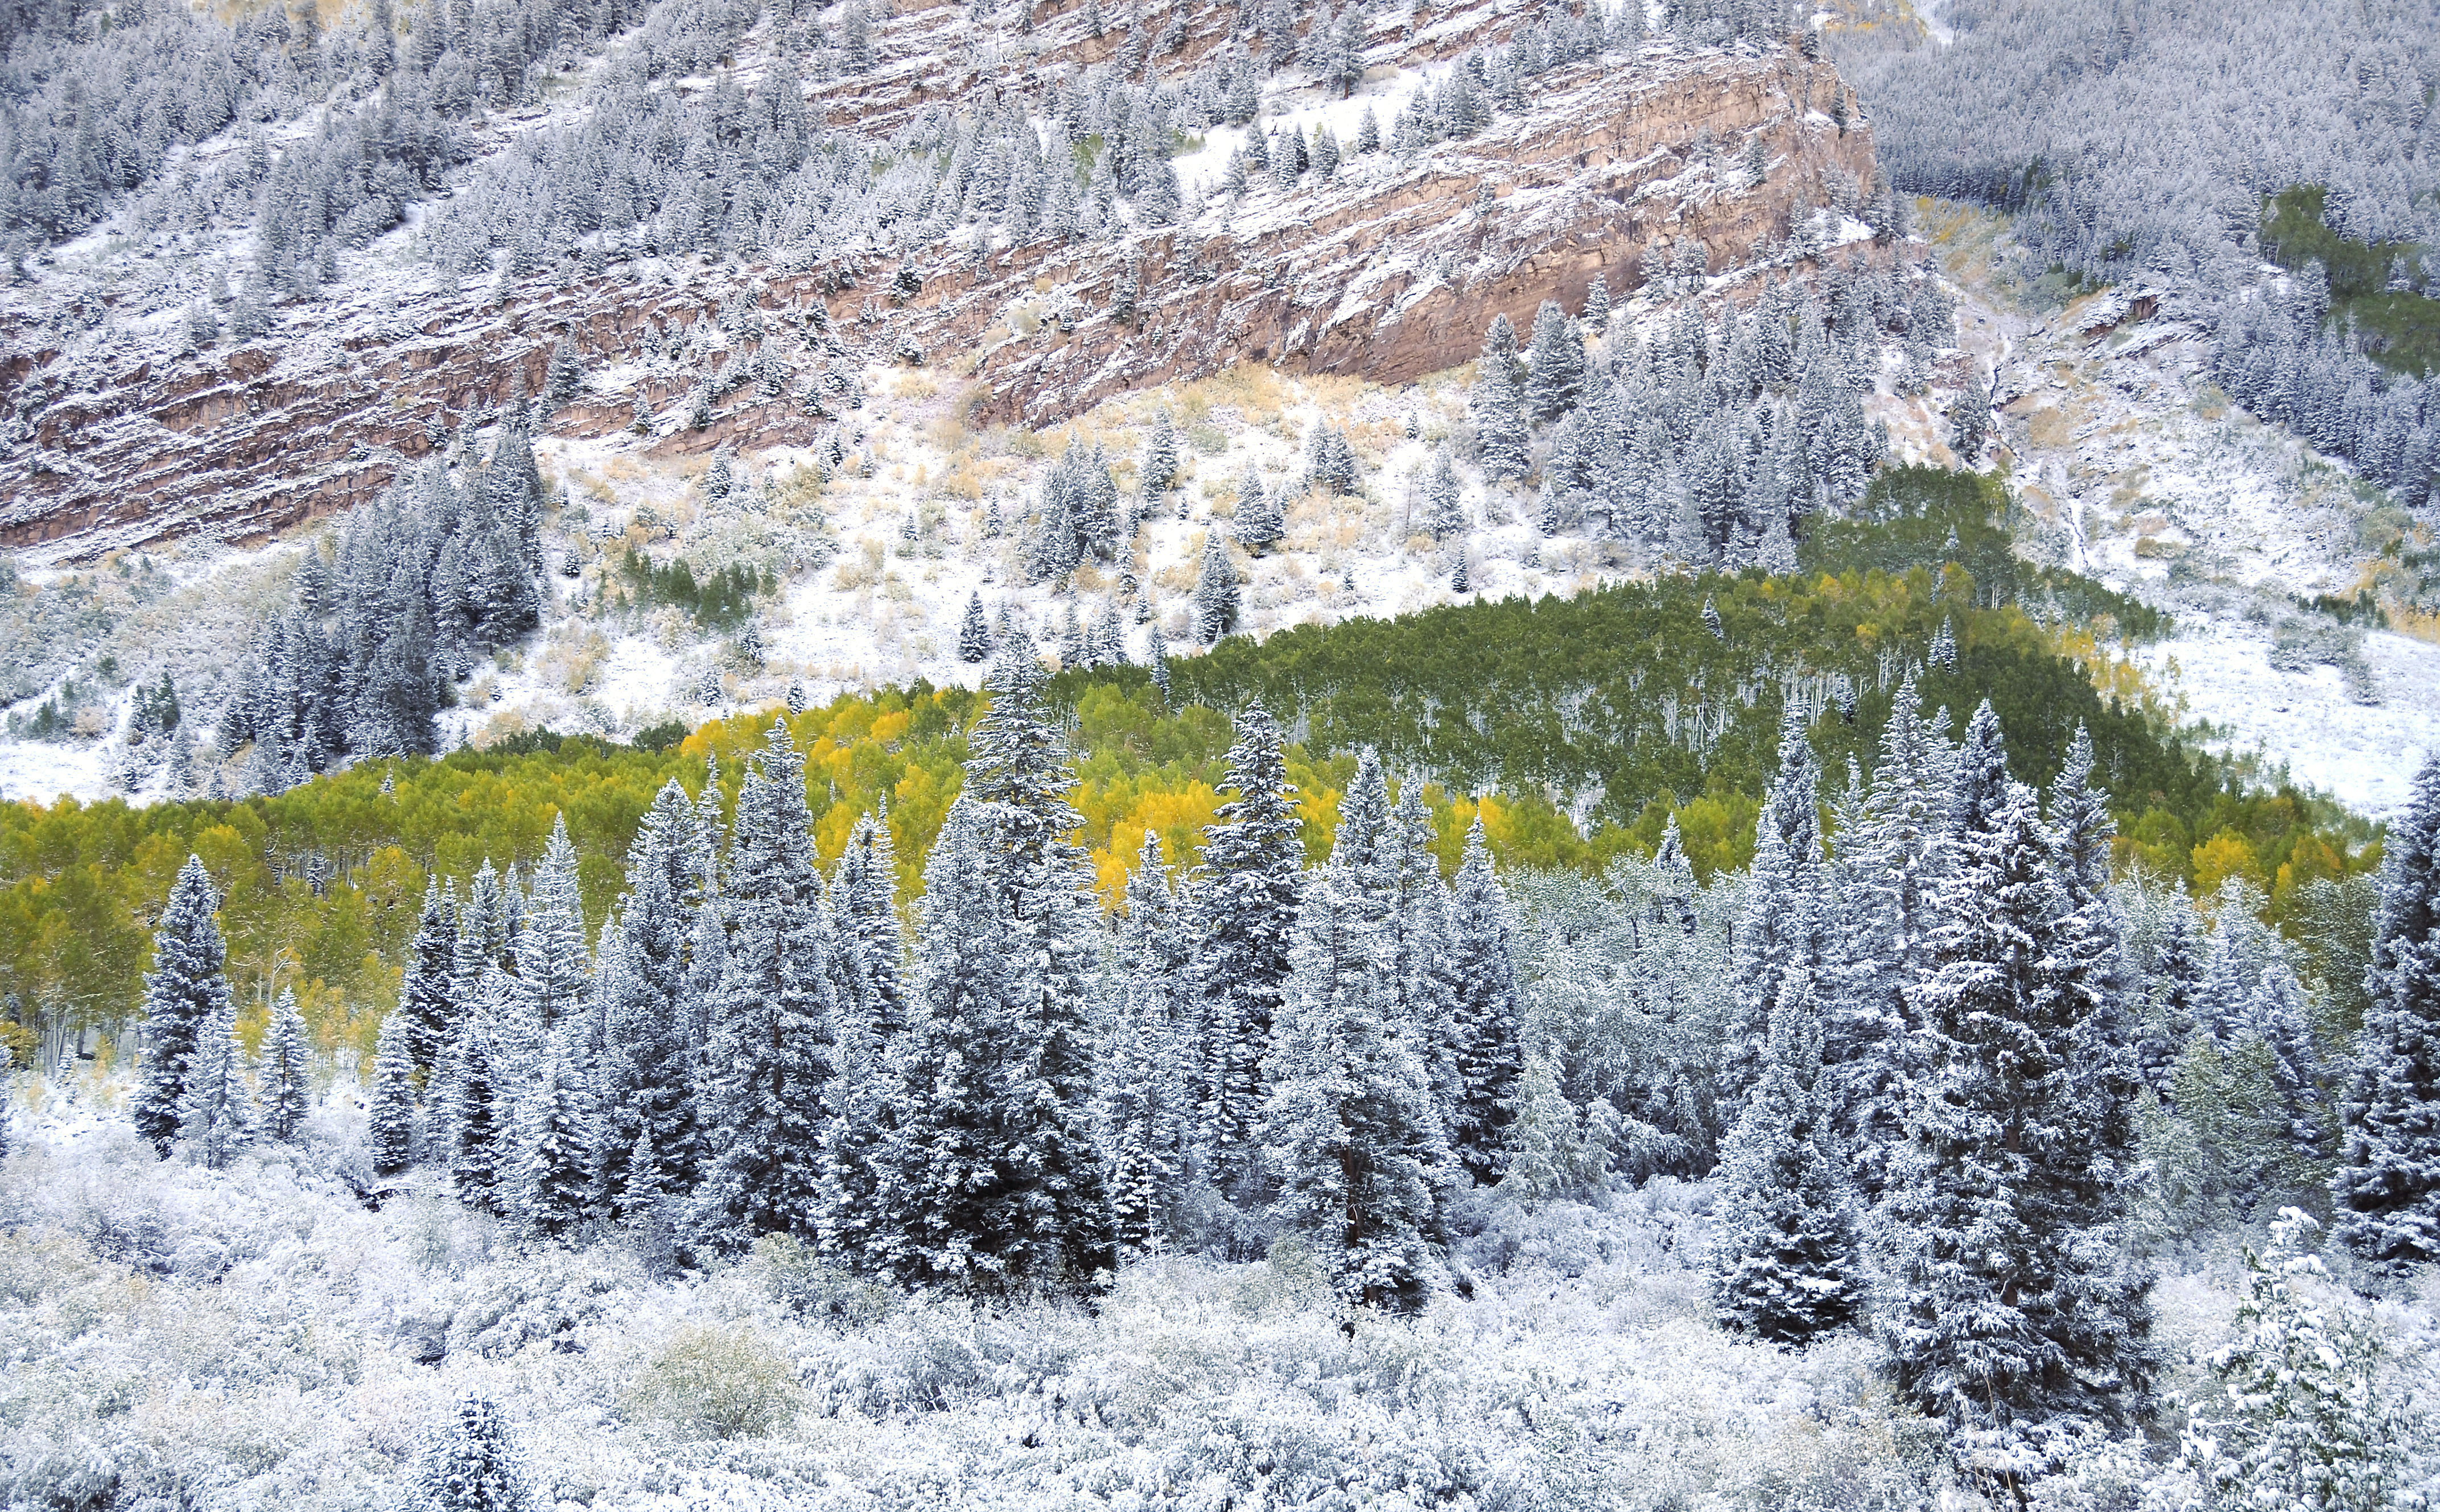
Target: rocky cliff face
(1391, 268)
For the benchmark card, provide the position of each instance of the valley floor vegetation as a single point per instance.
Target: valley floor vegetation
(1923, 1144)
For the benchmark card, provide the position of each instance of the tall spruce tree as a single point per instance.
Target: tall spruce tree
(389, 1124)
(947, 1208)
(1490, 1046)
(553, 1174)
(2388, 1183)
(874, 1014)
(1499, 430)
(284, 1079)
(184, 989)
(550, 948)
(424, 996)
(476, 1104)
(1894, 855)
(641, 1083)
(2011, 1310)
(771, 1038)
(1018, 775)
(1243, 902)
(1784, 1264)
(216, 1116)
(1216, 597)
(1781, 923)
(1351, 1133)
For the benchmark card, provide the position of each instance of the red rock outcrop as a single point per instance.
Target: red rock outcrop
(1391, 270)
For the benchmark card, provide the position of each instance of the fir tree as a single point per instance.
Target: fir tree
(554, 1177)
(1215, 594)
(282, 1079)
(1159, 470)
(1244, 908)
(874, 1016)
(1557, 377)
(425, 997)
(1258, 523)
(550, 949)
(1483, 970)
(390, 1130)
(2388, 1183)
(1444, 504)
(1350, 1131)
(473, 1464)
(1019, 771)
(183, 990)
(216, 1116)
(640, 1080)
(2010, 1307)
(974, 634)
(771, 1038)
(1500, 405)
(1784, 1265)
(1969, 420)
(2304, 1422)
(475, 1108)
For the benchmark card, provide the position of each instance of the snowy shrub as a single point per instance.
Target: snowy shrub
(542, 1297)
(713, 1381)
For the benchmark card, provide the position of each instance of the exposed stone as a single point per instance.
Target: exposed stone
(1342, 276)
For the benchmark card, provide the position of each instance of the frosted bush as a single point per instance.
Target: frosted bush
(715, 1381)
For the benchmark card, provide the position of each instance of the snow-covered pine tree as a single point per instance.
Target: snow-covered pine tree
(1018, 772)
(554, 1178)
(1444, 503)
(1483, 971)
(425, 997)
(1140, 1112)
(1894, 856)
(974, 633)
(1216, 593)
(216, 1116)
(2088, 967)
(1351, 1133)
(1258, 523)
(1244, 911)
(943, 1196)
(2388, 1183)
(2011, 1307)
(550, 948)
(1159, 468)
(771, 1035)
(1557, 379)
(483, 1076)
(389, 1124)
(185, 988)
(1783, 1262)
(1970, 419)
(640, 1080)
(473, 1464)
(283, 1076)
(2304, 1422)
(1780, 925)
(858, 1103)
(1499, 404)
(1148, 1073)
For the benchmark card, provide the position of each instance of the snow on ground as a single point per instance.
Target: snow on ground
(261, 1335)
(2138, 470)
(2364, 755)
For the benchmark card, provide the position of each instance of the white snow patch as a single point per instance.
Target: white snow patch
(2364, 755)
